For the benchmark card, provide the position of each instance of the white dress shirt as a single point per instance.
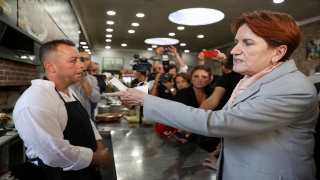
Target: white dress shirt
(83, 97)
(40, 117)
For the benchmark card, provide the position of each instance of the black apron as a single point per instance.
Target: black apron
(79, 132)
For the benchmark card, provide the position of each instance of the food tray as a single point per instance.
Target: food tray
(109, 117)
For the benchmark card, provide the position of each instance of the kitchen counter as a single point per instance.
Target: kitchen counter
(141, 154)
(123, 124)
(9, 134)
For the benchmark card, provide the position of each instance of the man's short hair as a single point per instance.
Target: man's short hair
(51, 46)
(80, 49)
(171, 66)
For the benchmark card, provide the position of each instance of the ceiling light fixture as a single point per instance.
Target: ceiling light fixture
(200, 36)
(150, 49)
(79, 31)
(108, 40)
(83, 43)
(131, 31)
(124, 45)
(186, 51)
(87, 50)
(180, 28)
(172, 34)
(135, 24)
(183, 44)
(111, 13)
(85, 47)
(196, 16)
(278, 1)
(154, 46)
(109, 35)
(108, 47)
(161, 41)
(109, 30)
(110, 22)
(140, 15)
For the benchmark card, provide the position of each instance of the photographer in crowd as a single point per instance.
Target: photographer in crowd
(163, 85)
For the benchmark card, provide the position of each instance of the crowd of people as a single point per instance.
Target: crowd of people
(256, 120)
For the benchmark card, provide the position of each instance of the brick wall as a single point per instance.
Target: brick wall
(14, 73)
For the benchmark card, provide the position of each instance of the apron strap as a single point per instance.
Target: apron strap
(45, 78)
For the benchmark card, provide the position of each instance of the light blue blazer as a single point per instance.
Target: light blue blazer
(267, 132)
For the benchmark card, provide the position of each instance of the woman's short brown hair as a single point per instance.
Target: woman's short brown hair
(185, 76)
(274, 27)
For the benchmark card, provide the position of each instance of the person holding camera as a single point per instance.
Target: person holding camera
(163, 86)
(171, 50)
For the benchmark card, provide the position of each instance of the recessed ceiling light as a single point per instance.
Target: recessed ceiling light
(108, 40)
(186, 51)
(180, 28)
(83, 43)
(109, 30)
(85, 47)
(172, 34)
(200, 36)
(150, 49)
(183, 44)
(87, 50)
(278, 1)
(110, 22)
(140, 15)
(131, 31)
(154, 46)
(108, 47)
(124, 45)
(108, 35)
(135, 24)
(79, 31)
(196, 16)
(161, 41)
(111, 13)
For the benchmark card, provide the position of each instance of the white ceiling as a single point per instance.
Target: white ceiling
(92, 17)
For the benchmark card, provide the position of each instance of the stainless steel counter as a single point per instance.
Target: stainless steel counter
(120, 125)
(141, 154)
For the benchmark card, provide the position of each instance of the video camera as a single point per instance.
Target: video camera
(142, 65)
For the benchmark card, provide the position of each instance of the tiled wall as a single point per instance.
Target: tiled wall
(14, 73)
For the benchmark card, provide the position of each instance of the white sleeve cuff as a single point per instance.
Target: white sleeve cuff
(84, 160)
(183, 69)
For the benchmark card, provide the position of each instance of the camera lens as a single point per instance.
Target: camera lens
(165, 77)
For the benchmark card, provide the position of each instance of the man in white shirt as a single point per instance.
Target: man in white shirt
(87, 88)
(58, 133)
